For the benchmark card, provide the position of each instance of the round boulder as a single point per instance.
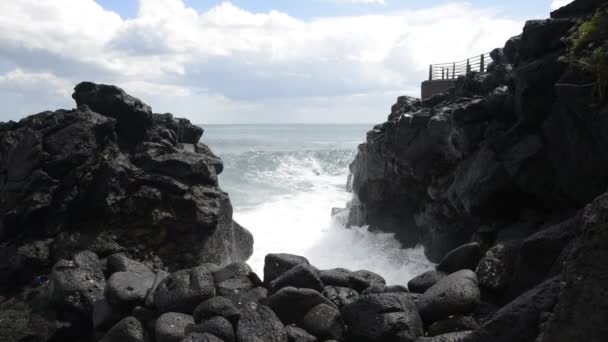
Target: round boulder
(324, 321)
(171, 326)
(300, 276)
(216, 306)
(183, 290)
(259, 323)
(128, 289)
(129, 329)
(465, 257)
(218, 326)
(291, 304)
(424, 281)
(454, 294)
(277, 264)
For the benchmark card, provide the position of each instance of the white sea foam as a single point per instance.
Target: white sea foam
(299, 222)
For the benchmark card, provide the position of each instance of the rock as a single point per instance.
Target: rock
(343, 278)
(396, 289)
(295, 334)
(520, 319)
(340, 295)
(370, 277)
(78, 284)
(375, 288)
(120, 263)
(216, 306)
(198, 337)
(128, 289)
(465, 257)
(259, 323)
(241, 298)
(160, 275)
(171, 327)
(425, 281)
(104, 315)
(324, 321)
(453, 324)
(231, 271)
(300, 276)
(234, 286)
(277, 264)
(461, 336)
(495, 269)
(382, 317)
(217, 326)
(454, 294)
(183, 290)
(291, 304)
(127, 330)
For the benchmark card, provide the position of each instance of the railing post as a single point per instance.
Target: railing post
(482, 66)
(454, 70)
(431, 72)
(442, 73)
(468, 67)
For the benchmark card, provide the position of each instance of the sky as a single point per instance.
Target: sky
(245, 61)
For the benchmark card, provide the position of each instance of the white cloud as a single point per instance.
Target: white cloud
(378, 2)
(231, 64)
(559, 3)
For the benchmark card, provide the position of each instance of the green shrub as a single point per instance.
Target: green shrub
(594, 29)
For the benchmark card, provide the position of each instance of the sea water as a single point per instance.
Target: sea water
(284, 180)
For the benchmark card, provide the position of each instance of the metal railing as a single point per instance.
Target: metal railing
(447, 71)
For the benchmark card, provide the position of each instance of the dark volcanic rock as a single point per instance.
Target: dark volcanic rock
(382, 317)
(495, 269)
(340, 295)
(423, 282)
(183, 290)
(216, 306)
(120, 263)
(453, 324)
(461, 336)
(324, 321)
(291, 304)
(277, 264)
(127, 330)
(110, 176)
(464, 257)
(171, 327)
(295, 334)
(454, 294)
(217, 326)
(300, 276)
(198, 337)
(128, 288)
(259, 323)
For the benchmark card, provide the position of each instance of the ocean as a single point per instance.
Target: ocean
(284, 180)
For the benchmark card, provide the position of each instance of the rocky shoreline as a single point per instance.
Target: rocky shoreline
(114, 228)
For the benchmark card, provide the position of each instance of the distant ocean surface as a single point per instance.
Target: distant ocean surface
(283, 181)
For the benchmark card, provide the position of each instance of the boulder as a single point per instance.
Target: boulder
(158, 277)
(342, 277)
(128, 329)
(104, 315)
(183, 290)
(396, 289)
(340, 295)
(277, 264)
(382, 317)
(119, 262)
(216, 306)
(465, 257)
(77, 284)
(496, 268)
(300, 276)
(241, 298)
(198, 337)
(171, 327)
(461, 336)
(295, 334)
(259, 323)
(232, 271)
(426, 280)
(324, 322)
(217, 326)
(453, 324)
(454, 294)
(291, 304)
(128, 289)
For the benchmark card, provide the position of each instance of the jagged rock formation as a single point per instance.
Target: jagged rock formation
(110, 176)
(509, 160)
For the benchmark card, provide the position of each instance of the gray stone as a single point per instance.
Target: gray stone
(295, 334)
(217, 326)
(454, 294)
(127, 330)
(453, 324)
(198, 337)
(234, 270)
(324, 321)
(495, 269)
(183, 290)
(128, 289)
(241, 298)
(340, 295)
(277, 264)
(460, 336)
(291, 304)
(424, 281)
(259, 323)
(160, 275)
(382, 317)
(171, 326)
(216, 306)
(104, 315)
(464, 257)
(119, 262)
(343, 278)
(300, 276)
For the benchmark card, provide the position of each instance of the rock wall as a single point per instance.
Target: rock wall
(110, 176)
(508, 151)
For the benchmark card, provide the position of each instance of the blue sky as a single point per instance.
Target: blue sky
(305, 61)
